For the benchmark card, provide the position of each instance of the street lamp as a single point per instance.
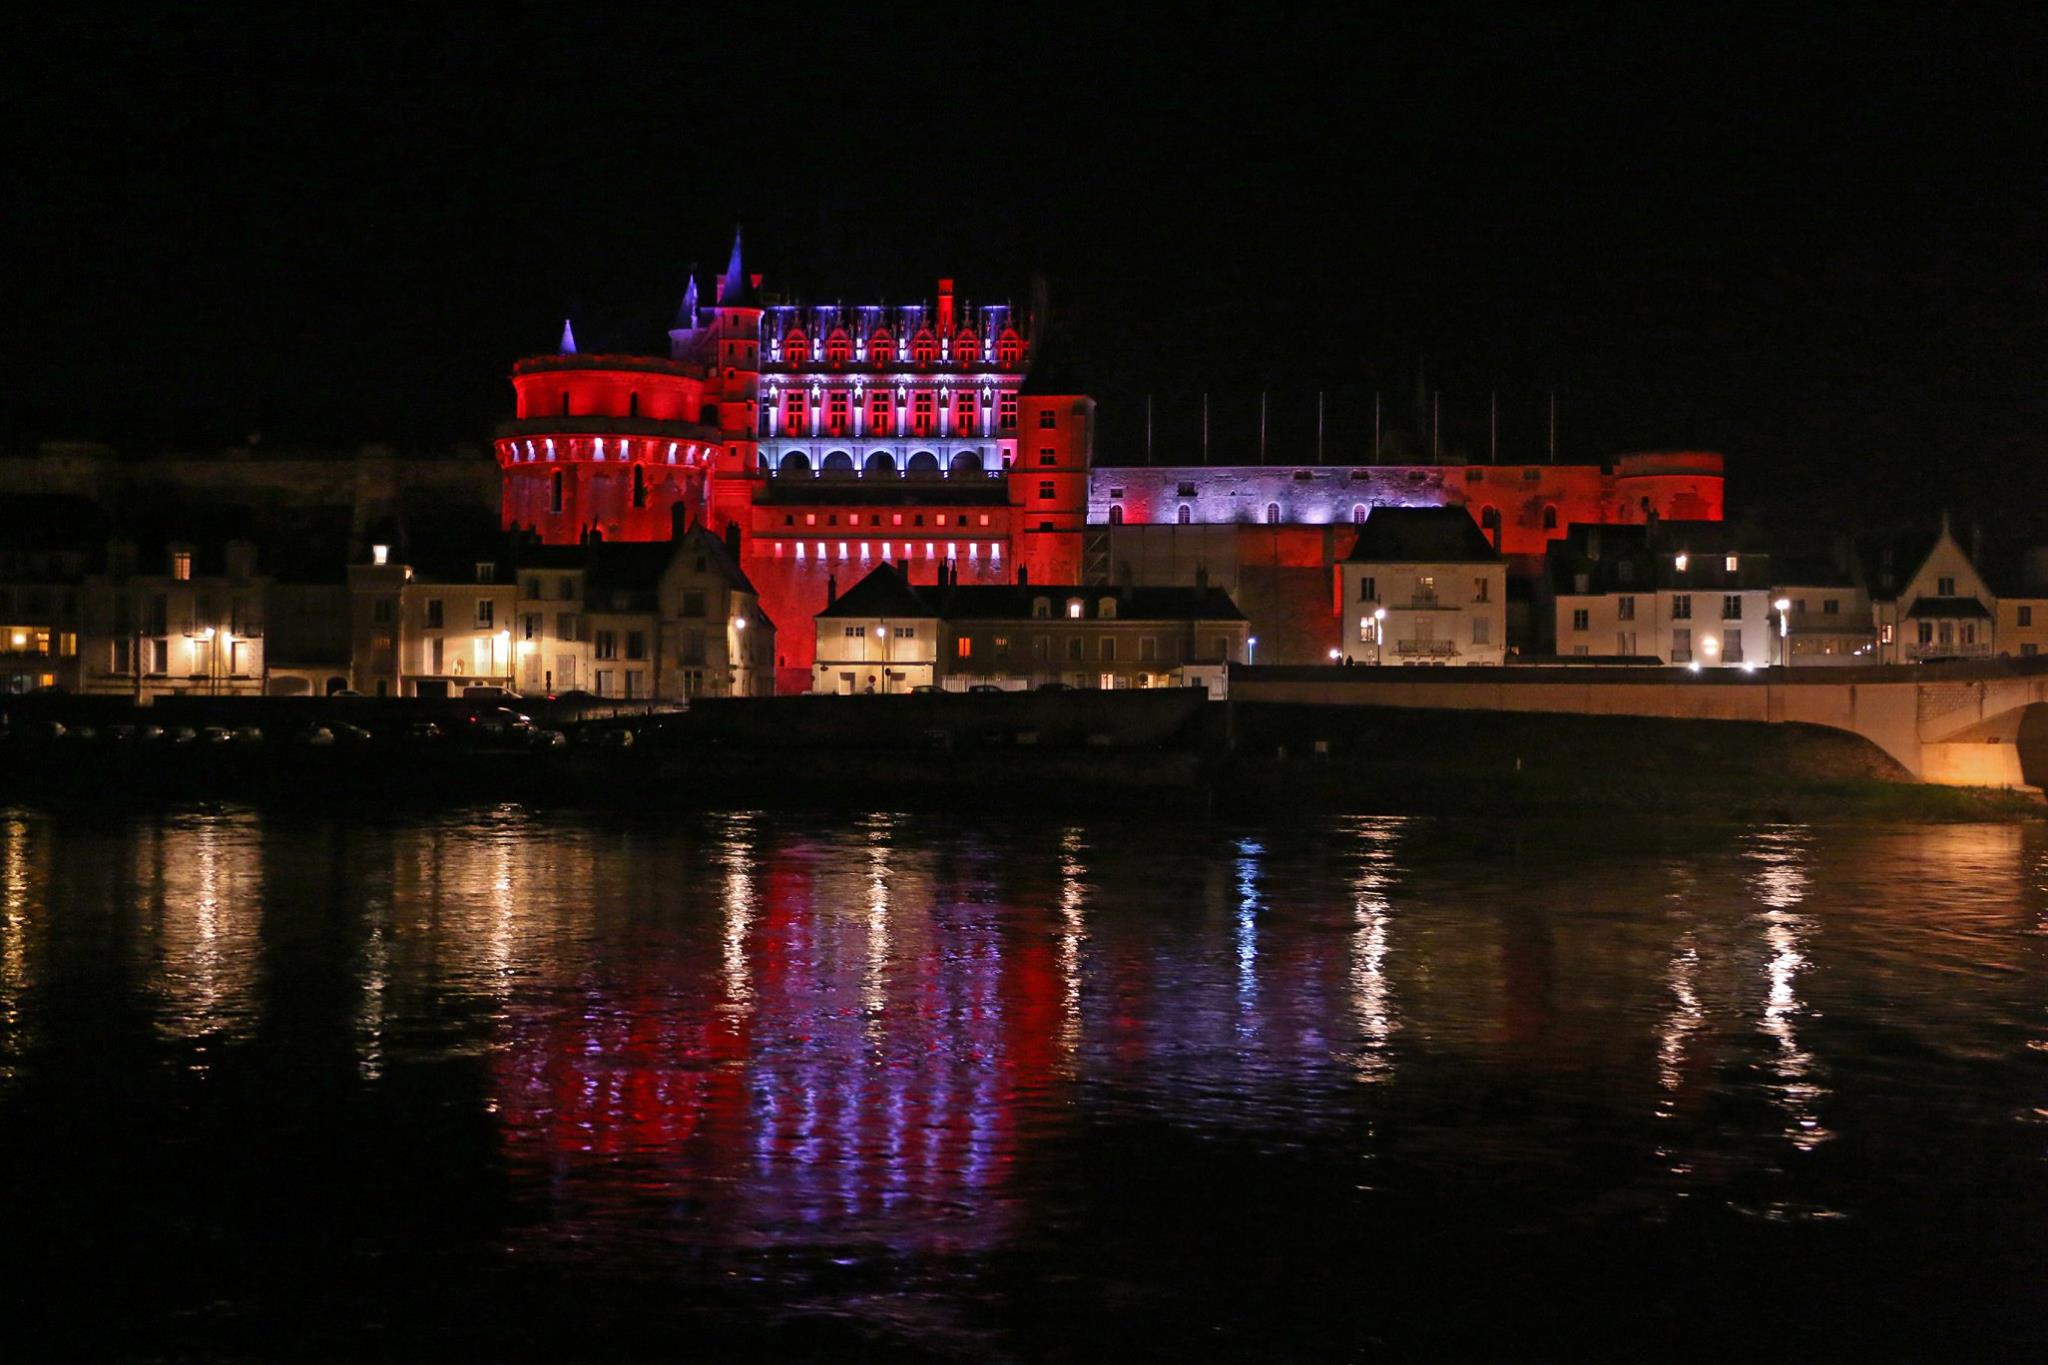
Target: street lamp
(1784, 605)
(1251, 650)
(1379, 636)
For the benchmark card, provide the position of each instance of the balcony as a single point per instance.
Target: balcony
(1425, 649)
(1918, 653)
(1424, 602)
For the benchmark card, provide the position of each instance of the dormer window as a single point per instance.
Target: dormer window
(1074, 608)
(1106, 609)
(1944, 587)
(1009, 350)
(796, 347)
(380, 555)
(882, 347)
(1732, 563)
(967, 348)
(181, 565)
(838, 347)
(1041, 609)
(486, 570)
(1679, 562)
(924, 349)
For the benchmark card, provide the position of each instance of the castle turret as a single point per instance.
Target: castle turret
(1055, 447)
(736, 379)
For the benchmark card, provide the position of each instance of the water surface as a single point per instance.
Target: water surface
(497, 1085)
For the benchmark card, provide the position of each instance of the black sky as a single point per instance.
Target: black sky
(1814, 242)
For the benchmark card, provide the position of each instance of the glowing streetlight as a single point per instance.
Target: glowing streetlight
(1379, 636)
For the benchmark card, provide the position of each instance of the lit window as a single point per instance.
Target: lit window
(1732, 563)
(964, 647)
(1074, 609)
(380, 554)
(1679, 562)
(181, 565)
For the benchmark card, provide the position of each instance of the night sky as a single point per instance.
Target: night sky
(1817, 244)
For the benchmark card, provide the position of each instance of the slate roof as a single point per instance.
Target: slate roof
(1422, 535)
(1014, 602)
(1953, 608)
(882, 593)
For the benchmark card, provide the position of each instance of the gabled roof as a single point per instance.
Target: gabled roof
(1422, 535)
(882, 593)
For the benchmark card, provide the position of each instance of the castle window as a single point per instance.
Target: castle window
(1045, 488)
(1358, 514)
(924, 349)
(1006, 412)
(1272, 514)
(963, 413)
(796, 347)
(1047, 419)
(793, 412)
(555, 492)
(1009, 349)
(836, 412)
(1074, 608)
(1041, 608)
(838, 347)
(1046, 455)
(1116, 515)
(1184, 515)
(565, 402)
(1550, 518)
(1186, 490)
(880, 411)
(1106, 609)
(882, 347)
(639, 486)
(967, 348)
(633, 405)
(923, 410)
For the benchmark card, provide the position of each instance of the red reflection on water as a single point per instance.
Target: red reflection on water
(845, 1062)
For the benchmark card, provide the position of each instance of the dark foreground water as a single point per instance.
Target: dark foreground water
(279, 1086)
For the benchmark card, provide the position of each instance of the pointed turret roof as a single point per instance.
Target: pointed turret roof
(568, 346)
(736, 287)
(686, 312)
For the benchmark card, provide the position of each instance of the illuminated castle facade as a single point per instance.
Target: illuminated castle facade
(824, 440)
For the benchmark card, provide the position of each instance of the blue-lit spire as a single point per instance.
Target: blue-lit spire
(735, 287)
(568, 338)
(686, 315)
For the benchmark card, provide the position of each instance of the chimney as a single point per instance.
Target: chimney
(945, 308)
(831, 588)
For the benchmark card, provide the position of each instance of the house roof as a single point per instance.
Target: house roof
(882, 593)
(1422, 535)
(1951, 608)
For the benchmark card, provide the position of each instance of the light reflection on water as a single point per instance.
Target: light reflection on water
(757, 1046)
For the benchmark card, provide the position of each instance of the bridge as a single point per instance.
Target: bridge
(1957, 724)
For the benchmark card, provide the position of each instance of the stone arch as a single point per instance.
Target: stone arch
(922, 462)
(1184, 516)
(879, 463)
(1550, 516)
(796, 462)
(1272, 514)
(837, 461)
(1116, 514)
(964, 462)
(1358, 514)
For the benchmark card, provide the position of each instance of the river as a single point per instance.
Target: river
(496, 1084)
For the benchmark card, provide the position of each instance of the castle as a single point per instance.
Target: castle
(824, 440)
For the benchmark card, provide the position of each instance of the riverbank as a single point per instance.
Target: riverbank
(1083, 753)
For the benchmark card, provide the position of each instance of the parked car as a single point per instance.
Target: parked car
(216, 734)
(1055, 687)
(500, 722)
(124, 734)
(346, 733)
(248, 734)
(181, 734)
(549, 739)
(80, 732)
(983, 687)
(150, 734)
(488, 692)
(423, 730)
(316, 737)
(615, 739)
